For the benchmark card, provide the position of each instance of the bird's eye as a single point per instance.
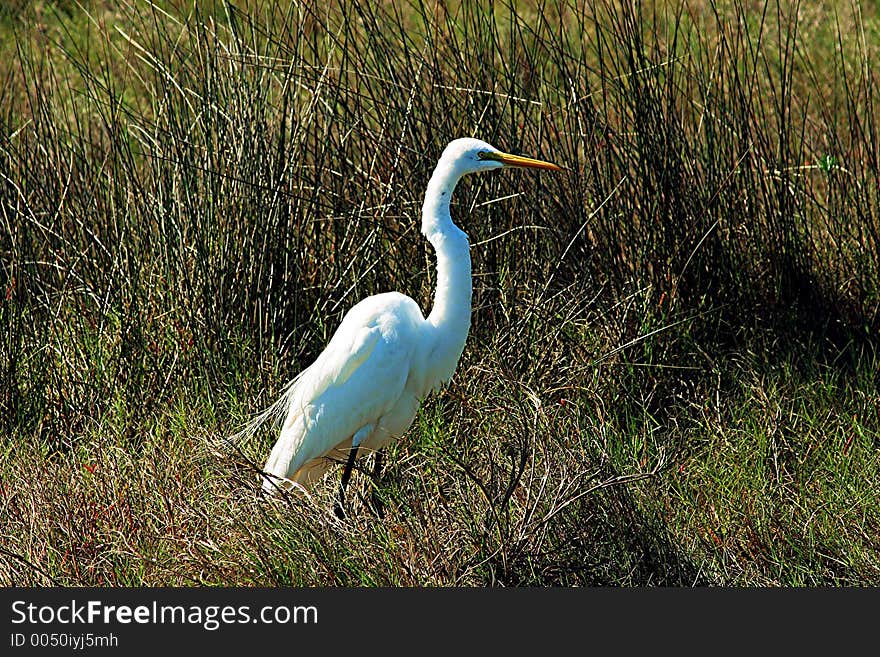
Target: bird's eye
(482, 155)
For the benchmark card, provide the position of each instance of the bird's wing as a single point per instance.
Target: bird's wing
(379, 333)
(355, 381)
(334, 366)
(351, 346)
(347, 351)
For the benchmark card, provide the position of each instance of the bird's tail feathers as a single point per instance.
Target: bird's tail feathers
(274, 414)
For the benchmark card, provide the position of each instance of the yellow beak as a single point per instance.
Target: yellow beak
(520, 161)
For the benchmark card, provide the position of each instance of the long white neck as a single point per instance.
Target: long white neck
(450, 317)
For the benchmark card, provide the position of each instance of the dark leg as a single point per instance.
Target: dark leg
(375, 501)
(339, 507)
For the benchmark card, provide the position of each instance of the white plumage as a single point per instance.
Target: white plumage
(365, 388)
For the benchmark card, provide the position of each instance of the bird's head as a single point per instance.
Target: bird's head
(472, 155)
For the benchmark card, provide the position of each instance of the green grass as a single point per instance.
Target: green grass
(672, 374)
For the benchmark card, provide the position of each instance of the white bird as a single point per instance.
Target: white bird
(365, 388)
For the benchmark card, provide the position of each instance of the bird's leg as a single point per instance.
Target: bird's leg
(339, 508)
(377, 464)
(375, 500)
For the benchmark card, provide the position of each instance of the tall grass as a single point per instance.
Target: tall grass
(671, 375)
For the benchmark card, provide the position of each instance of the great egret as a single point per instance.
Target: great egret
(365, 388)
